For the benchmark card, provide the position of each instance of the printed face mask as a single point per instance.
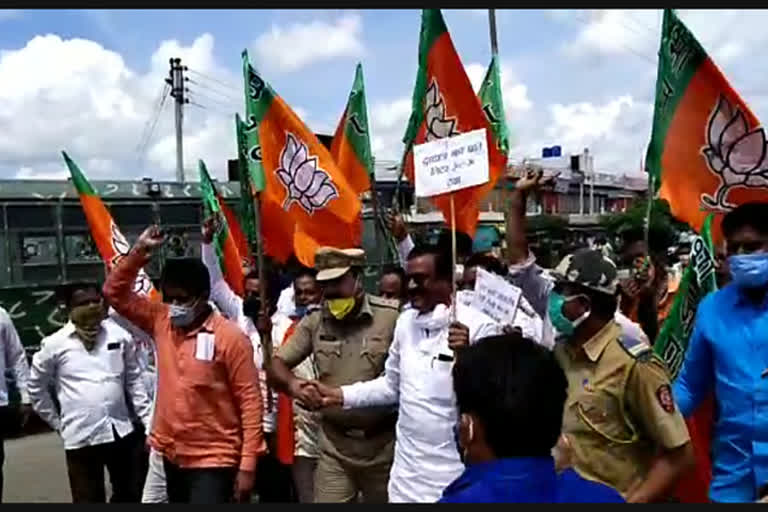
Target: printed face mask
(182, 316)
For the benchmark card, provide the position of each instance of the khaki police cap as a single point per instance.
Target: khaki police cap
(332, 263)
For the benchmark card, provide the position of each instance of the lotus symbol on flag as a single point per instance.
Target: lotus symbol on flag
(736, 154)
(438, 125)
(306, 184)
(121, 246)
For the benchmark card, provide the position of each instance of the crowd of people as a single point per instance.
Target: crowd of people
(329, 394)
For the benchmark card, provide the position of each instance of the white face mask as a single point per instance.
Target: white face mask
(182, 316)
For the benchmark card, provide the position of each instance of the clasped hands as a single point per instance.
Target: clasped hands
(314, 395)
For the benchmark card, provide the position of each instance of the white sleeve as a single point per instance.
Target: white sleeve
(41, 375)
(383, 390)
(134, 383)
(15, 356)
(222, 295)
(404, 248)
(485, 330)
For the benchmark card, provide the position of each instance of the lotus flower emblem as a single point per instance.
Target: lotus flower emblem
(306, 184)
(736, 154)
(438, 125)
(121, 246)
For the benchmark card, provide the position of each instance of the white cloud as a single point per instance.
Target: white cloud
(76, 95)
(289, 49)
(613, 32)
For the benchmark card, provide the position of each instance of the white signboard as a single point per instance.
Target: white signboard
(450, 164)
(496, 297)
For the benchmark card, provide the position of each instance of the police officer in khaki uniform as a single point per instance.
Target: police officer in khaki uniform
(349, 338)
(620, 424)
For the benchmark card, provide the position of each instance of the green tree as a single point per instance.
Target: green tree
(664, 228)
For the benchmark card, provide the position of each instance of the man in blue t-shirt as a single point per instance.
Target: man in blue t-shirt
(510, 393)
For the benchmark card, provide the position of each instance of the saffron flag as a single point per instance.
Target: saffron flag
(351, 145)
(445, 105)
(285, 432)
(229, 258)
(707, 151)
(241, 242)
(300, 175)
(698, 280)
(110, 242)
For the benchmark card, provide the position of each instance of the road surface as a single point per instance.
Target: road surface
(35, 470)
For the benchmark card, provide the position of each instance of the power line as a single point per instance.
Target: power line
(203, 75)
(151, 125)
(214, 91)
(625, 46)
(227, 105)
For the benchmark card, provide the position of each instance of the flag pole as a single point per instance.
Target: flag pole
(453, 259)
(376, 219)
(492, 23)
(266, 337)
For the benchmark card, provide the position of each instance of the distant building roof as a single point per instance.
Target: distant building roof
(58, 189)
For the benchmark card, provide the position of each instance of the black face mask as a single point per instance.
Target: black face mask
(252, 307)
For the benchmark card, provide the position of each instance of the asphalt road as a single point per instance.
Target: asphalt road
(35, 470)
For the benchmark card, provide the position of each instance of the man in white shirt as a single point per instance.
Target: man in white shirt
(305, 422)
(417, 377)
(273, 481)
(92, 365)
(12, 357)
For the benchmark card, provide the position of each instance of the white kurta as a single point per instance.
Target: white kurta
(418, 379)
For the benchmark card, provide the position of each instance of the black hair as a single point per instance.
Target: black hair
(443, 263)
(486, 262)
(603, 304)
(753, 214)
(657, 245)
(304, 272)
(395, 270)
(516, 389)
(66, 291)
(189, 274)
(463, 242)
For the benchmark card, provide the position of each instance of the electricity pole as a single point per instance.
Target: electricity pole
(176, 81)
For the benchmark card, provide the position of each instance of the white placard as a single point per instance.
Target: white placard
(450, 164)
(496, 297)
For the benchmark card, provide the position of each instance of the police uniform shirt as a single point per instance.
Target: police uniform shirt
(619, 409)
(354, 349)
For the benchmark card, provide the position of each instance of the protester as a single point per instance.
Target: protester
(91, 365)
(398, 229)
(525, 273)
(392, 284)
(726, 355)
(625, 431)
(417, 378)
(208, 424)
(647, 294)
(274, 484)
(722, 271)
(526, 320)
(510, 396)
(296, 444)
(13, 358)
(349, 338)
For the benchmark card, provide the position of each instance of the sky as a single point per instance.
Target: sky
(90, 81)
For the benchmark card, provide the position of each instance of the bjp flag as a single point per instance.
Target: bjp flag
(444, 105)
(707, 152)
(300, 175)
(230, 259)
(110, 242)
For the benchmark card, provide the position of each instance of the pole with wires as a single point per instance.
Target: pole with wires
(176, 81)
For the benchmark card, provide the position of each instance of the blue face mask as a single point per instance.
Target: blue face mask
(749, 270)
(300, 311)
(564, 326)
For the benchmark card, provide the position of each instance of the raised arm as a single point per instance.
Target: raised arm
(222, 295)
(118, 288)
(523, 270)
(15, 356)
